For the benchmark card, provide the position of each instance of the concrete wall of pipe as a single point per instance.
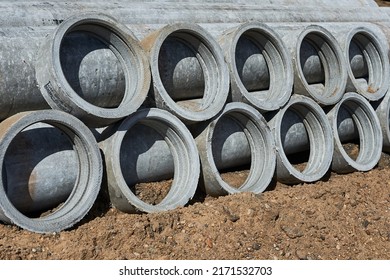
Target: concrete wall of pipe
(163, 12)
(239, 135)
(60, 95)
(182, 152)
(319, 135)
(100, 82)
(370, 135)
(84, 189)
(382, 109)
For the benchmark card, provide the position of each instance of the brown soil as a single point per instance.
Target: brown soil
(341, 217)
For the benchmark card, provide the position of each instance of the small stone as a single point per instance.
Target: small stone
(256, 246)
(301, 255)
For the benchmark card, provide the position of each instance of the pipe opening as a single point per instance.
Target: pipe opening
(231, 151)
(238, 142)
(368, 64)
(355, 119)
(40, 170)
(252, 66)
(181, 67)
(295, 139)
(348, 132)
(148, 146)
(188, 70)
(190, 75)
(49, 189)
(261, 69)
(304, 141)
(92, 69)
(321, 66)
(145, 159)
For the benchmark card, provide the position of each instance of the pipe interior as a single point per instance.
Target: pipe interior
(146, 158)
(93, 67)
(303, 138)
(252, 65)
(364, 141)
(350, 140)
(40, 169)
(188, 70)
(366, 63)
(320, 64)
(231, 150)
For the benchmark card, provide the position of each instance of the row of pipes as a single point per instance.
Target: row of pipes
(188, 90)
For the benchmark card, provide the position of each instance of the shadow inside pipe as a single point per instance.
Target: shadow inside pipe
(40, 170)
(92, 69)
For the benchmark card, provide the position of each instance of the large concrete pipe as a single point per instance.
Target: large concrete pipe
(319, 135)
(104, 78)
(307, 44)
(36, 13)
(370, 135)
(366, 51)
(164, 144)
(239, 135)
(31, 190)
(260, 66)
(174, 51)
(59, 93)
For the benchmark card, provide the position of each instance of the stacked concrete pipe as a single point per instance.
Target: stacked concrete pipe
(28, 185)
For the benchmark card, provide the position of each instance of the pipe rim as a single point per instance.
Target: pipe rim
(332, 59)
(185, 157)
(375, 53)
(320, 139)
(60, 95)
(263, 157)
(370, 134)
(216, 80)
(87, 186)
(281, 70)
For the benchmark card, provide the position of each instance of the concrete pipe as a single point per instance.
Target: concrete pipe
(166, 144)
(308, 44)
(382, 109)
(366, 51)
(319, 136)
(75, 202)
(176, 52)
(370, 135)
(54, 84)
(239, 135)
(260, 66)
(36, 13)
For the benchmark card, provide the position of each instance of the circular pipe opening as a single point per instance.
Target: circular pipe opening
(88, 176)
(369, 134)
(31, 184)
(117, 48)
(324, 80)
(261, 69)
(189, 73)
(250, 144)
(368, 66)
(182, 149)
(309, 131)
